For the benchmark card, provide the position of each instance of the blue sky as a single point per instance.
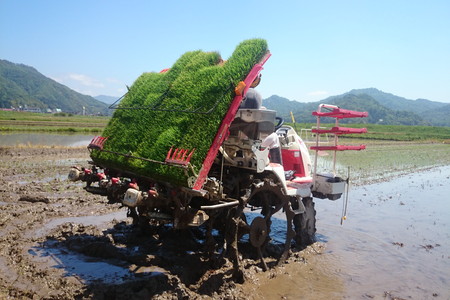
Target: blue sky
(319, 48)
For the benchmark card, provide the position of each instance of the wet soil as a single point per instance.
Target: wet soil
(59, 242)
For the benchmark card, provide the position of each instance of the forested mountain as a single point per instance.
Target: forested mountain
(24, 86)
(284, 106)
(377, 112)
(21, 85)
(383, 108)
(438, 116)
(106, 99)
(398, 103)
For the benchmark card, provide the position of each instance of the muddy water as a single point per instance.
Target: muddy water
(85, 268)
(45, 139)
(93, 220)
(394, 243)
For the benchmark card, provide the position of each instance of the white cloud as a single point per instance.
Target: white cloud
(91, 86)
(57, 79)
(113, 80)
(86, 80)
(87, 92)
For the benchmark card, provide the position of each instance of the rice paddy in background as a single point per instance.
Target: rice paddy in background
(15, 121)
(384, 159)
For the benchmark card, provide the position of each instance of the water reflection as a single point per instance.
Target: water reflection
(396, 238)
(44, 139)
(394, 245)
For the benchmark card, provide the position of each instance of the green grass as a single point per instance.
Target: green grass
(406, 133)
(29, 116)
(52, 129)
(384, 159)
(393, 132)
(197, 81)
(11, 121)
(39, 122)
(391, 150)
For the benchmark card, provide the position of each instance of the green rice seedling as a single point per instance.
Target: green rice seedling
(182, 107)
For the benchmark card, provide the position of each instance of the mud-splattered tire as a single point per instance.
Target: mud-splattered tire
(305, 224)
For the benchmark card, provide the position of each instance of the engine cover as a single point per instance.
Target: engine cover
(74, 174)
(132, 198)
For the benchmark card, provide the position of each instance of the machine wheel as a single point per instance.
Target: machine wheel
(305, 224)
(258, 232)
(258, 236)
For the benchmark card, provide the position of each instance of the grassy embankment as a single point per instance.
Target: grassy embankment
(64, 123)
(384, 159)
(393, 132)
(12, 121)
(390, 151)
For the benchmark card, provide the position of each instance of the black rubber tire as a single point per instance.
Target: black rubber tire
(305, 224)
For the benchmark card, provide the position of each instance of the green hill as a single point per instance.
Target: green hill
(398, 103)
(383, 108)
(24, 86)
(430, 111)
(106, 99)
(378, 114)
(284, 106)
(440, 116)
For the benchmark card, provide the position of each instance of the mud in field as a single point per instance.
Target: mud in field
(59, 242)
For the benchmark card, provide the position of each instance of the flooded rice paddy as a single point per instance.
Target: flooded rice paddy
(396, 238)
(44, 139)
(394, 244)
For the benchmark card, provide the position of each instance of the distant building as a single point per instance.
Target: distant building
(32, 109)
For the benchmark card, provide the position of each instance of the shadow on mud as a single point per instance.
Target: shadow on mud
(126, 261)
